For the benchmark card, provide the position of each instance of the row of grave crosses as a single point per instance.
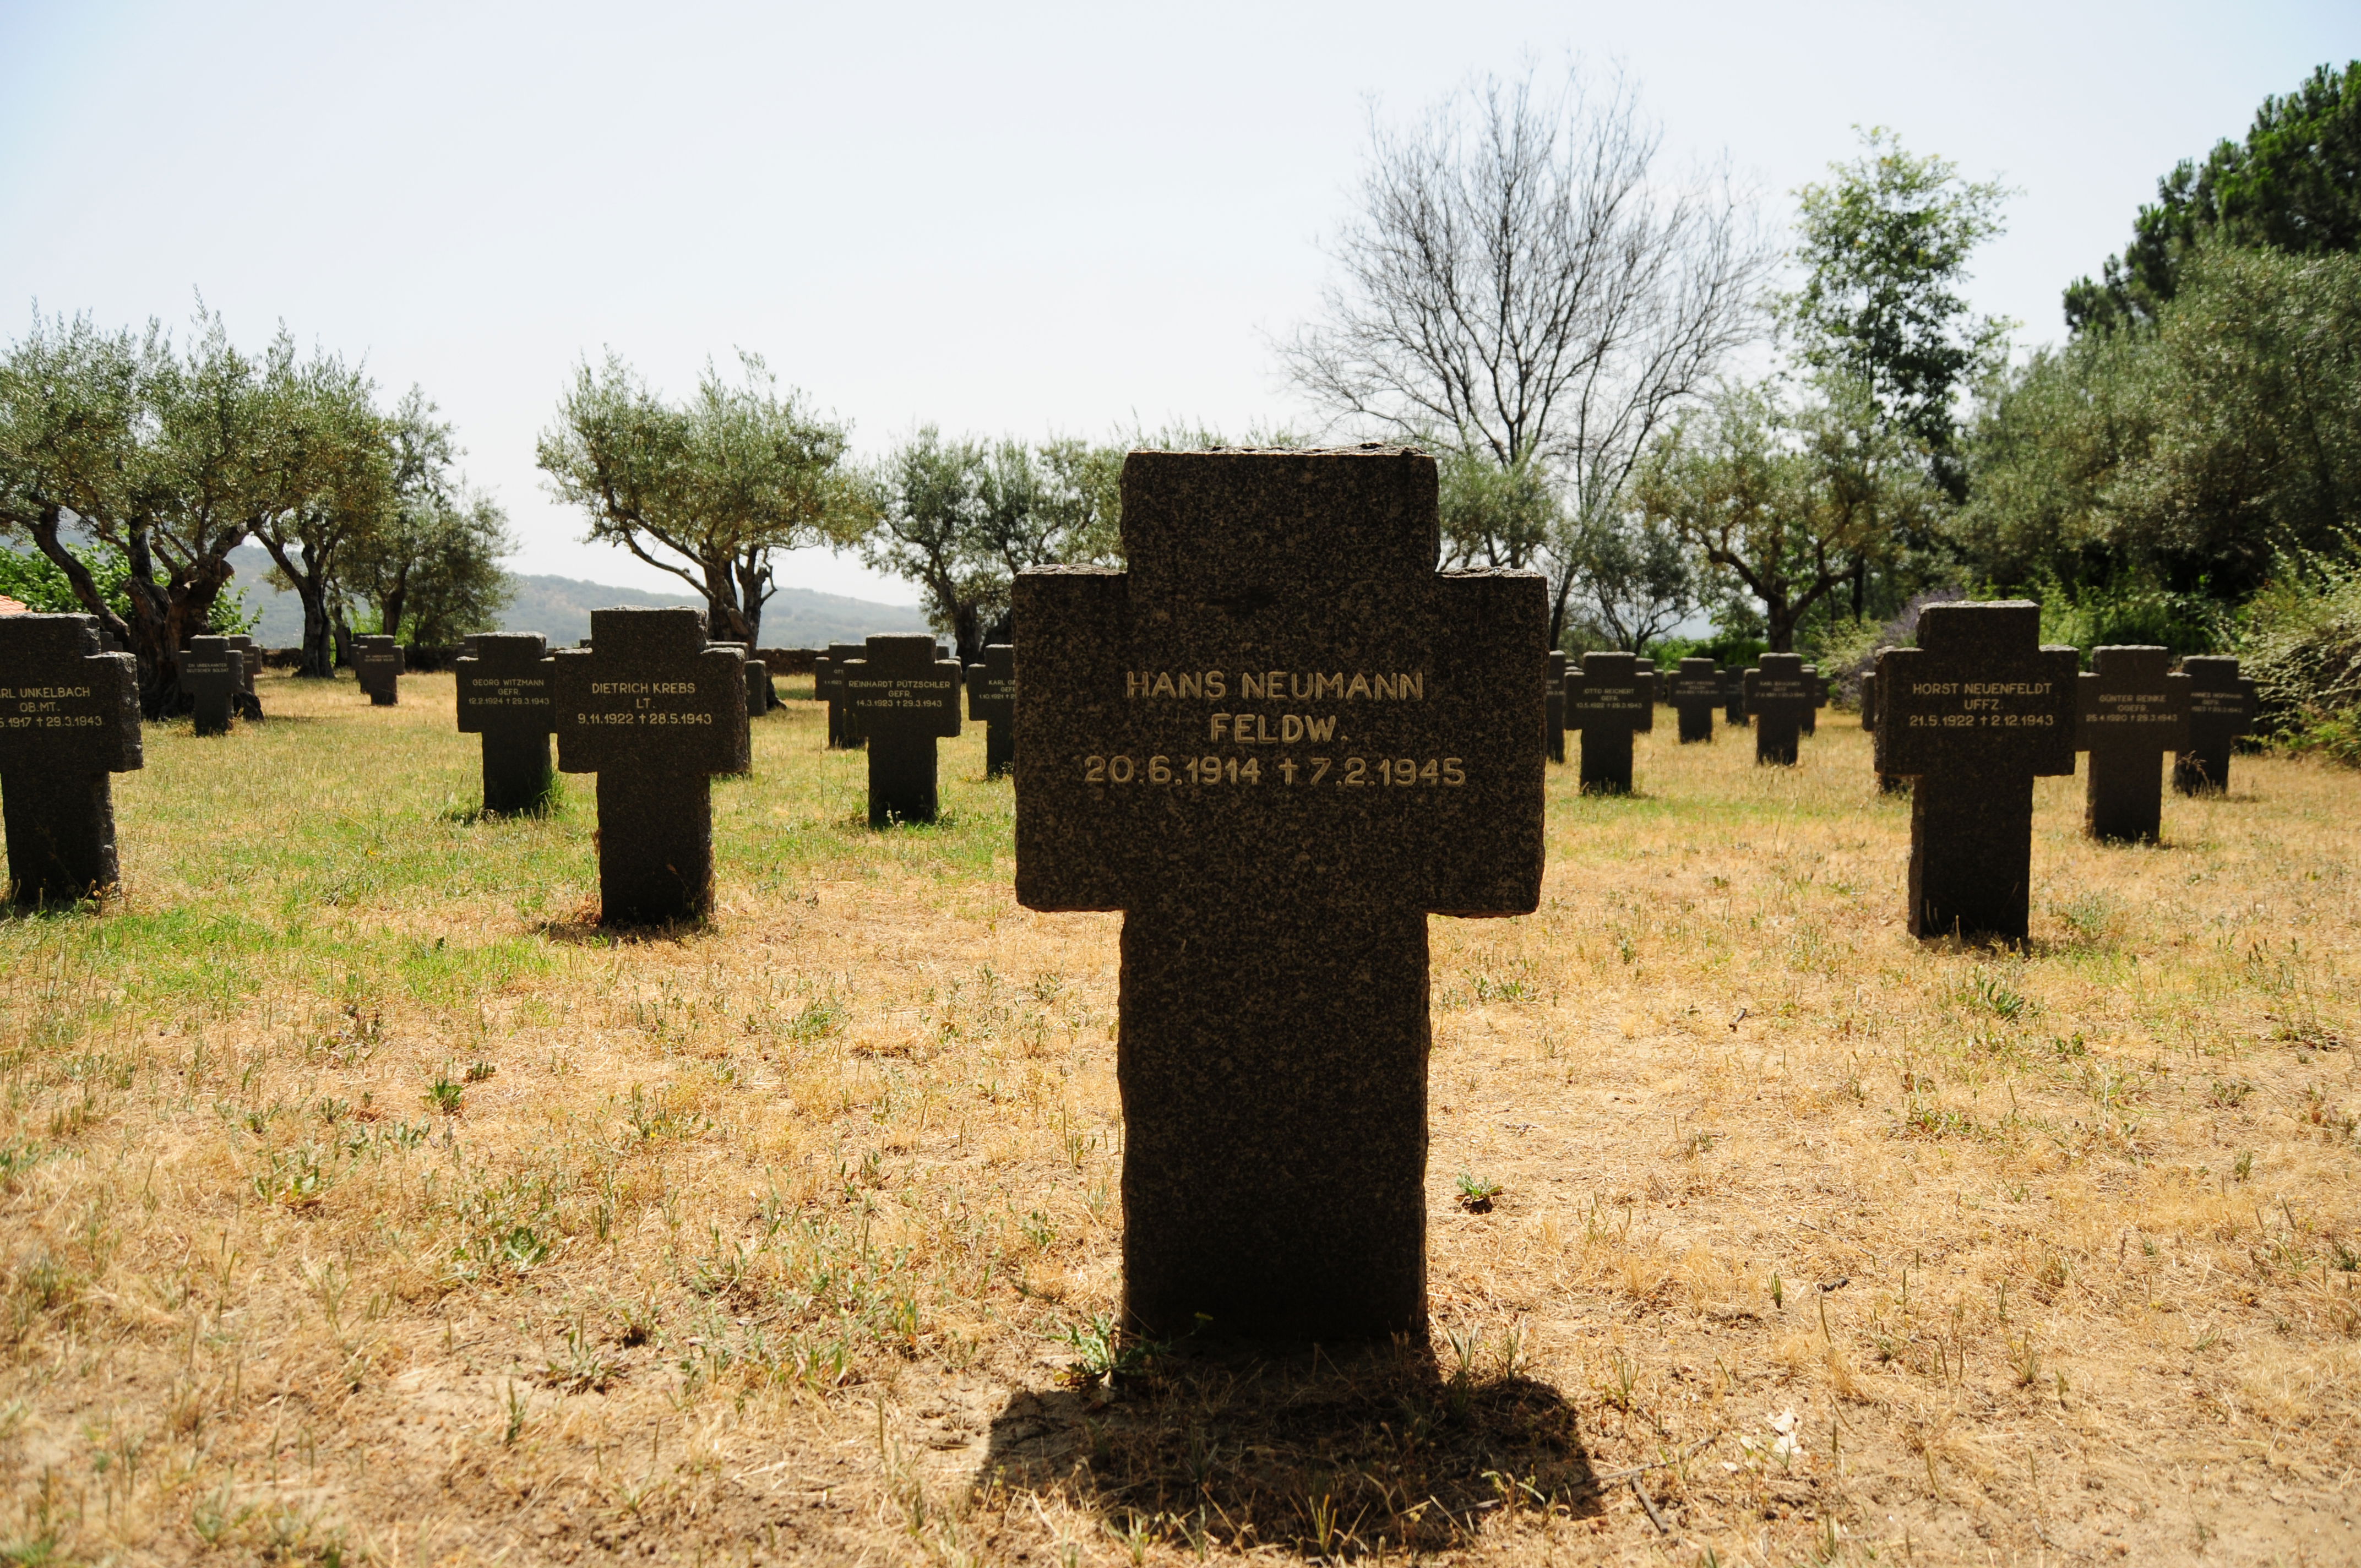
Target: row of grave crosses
(654, 710)
(1275, 889)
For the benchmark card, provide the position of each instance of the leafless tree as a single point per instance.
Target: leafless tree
(1521, 284)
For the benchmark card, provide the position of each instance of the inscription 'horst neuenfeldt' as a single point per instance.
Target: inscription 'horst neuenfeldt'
(1983, 705)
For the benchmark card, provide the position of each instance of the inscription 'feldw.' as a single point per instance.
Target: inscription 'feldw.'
(1278, 741)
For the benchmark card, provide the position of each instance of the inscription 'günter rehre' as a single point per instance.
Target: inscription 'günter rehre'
(1276, 741)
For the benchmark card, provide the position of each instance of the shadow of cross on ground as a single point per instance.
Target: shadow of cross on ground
(1323, 1453)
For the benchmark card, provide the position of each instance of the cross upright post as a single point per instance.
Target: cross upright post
(377, 665)
(992, 701)
(1696, 692)
(1553, 720)
(828, 675)
(249, 660)
(1608, 698)
(2135, 714)
(213, 674)
(69, 717)
(2222, 707)
(1276, 741)
(1887, 784)
(904, 697)
(504, 689)
(1972, 715)
(655, 711)
(1778, 696)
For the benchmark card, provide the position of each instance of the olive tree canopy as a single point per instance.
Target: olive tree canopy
(710, 490)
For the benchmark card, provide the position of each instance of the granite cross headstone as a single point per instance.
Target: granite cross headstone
(905, 696)
(2135, 713)
(68, 717)
(504, 687)
(1778, 696)
(377, 664)
(992, 699)
(1696, 692)
(1553, 717)
(2222, 707)
(214, 674)
(1608, 698)
(654, 711)
(1972, 715)
(843, 733)
(1733, 693)
(249, 660)
(1887, 784)
(1276, 741)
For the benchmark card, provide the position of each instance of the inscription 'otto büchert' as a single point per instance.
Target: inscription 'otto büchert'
(1257, 727)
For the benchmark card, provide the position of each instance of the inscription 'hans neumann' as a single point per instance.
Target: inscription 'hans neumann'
(1302, 685)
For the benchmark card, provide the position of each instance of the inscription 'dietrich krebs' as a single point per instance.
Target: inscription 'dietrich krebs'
(1327, 691)
(1982, 705)
(642, 696)
(43, 707)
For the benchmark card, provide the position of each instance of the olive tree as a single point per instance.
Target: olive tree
(710, 490)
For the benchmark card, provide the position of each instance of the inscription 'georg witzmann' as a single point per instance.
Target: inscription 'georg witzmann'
(1984, 705)
(1277, 729)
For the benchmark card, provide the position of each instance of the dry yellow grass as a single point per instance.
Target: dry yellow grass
(364, 1205)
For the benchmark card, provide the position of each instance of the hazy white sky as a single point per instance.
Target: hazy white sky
(1001, 220)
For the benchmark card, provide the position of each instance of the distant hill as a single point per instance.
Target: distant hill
(559, 608)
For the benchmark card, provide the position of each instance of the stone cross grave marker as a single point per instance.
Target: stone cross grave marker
(905, 695)
(1278, 740)
(1696, 690)
(2222, 707)
(250, 660)
(1733, 693)
(2135, 713)
(992, 699)
(1778, 696)
(214, 674)
(655, 711)
(843, 732)
(505, 693)
(1608, 698)
(1553, 719)
(68, 717)
(1887, 784)
(377, 664)
(758, 688)
(1972, 715)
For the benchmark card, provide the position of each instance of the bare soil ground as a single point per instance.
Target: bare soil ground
(366, 1202)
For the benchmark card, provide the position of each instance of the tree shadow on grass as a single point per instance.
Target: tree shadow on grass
(1322, 1454)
